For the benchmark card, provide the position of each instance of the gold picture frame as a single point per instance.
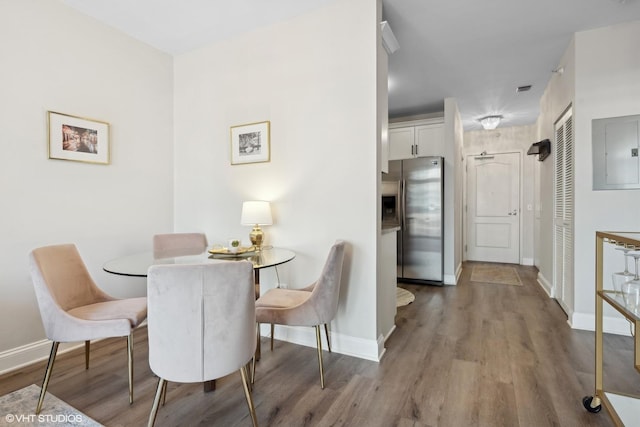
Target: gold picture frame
(251, 143)
(78, 139)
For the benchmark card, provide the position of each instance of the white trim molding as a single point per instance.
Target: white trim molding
(545, 285)
(451, 279)
(611, 325)
(340, 343)
(19, 357)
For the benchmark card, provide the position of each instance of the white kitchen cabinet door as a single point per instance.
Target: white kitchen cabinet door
(429, 140)
(401, 143)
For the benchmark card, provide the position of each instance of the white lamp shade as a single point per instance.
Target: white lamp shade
(256, 212)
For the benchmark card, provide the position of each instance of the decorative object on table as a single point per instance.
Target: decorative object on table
(240, 250)
(20, 404)
(78, 139)
(495, 274)
(234, 245)
(256, 213)
(404, 297)
(250, 143)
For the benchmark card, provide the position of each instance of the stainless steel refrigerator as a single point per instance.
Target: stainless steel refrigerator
(420, 240)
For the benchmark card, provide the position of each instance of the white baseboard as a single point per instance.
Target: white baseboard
(527, 261)
(544, 284)
(340, 343)
(610, 325)
(452, 279)
(25, 355)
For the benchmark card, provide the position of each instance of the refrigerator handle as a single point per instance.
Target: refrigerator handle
(403, 204)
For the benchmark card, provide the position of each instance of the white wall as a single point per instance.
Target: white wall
(387, 244)
(558, 96)
(607, 85)
(453, 136)
(314, 78)
(600, 79)
(53, 58)
(512, 139)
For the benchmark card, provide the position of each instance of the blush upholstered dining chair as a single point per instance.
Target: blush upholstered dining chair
(201, 324)
(314, 305)
(73, 308)
(174, 244)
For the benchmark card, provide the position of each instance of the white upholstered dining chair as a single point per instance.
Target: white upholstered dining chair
(73, 308)
(314, 305)
(174, 244)
(201, 324)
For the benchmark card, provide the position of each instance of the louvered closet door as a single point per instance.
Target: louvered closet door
(563, 213)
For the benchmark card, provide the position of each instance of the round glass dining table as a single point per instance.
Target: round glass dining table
(138, 264)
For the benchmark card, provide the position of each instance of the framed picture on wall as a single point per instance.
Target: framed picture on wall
(250, 143)
(78, 139)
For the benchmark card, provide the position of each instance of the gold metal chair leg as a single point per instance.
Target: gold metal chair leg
(272, 329)
(248, 368)
(247, 393)
(47, 375)
(164, 392)
(162, 383)
(256, 356)
(258, 341)
(326, 332)
(319, 344)
(130, 365)
(87, 349)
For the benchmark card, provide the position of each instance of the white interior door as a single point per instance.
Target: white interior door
(493, 208)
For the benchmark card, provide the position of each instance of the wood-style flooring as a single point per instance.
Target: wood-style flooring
(475, 354)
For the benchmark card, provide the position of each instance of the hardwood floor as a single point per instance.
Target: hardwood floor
(472, 355)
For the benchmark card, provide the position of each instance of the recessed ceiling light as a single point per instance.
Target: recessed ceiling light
(523, 88)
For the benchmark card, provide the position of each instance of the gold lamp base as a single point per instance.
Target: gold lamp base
(256, 236)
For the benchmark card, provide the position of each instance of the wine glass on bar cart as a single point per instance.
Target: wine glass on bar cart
(631, 289)
(620, 277)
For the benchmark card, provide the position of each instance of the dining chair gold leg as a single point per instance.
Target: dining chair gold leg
(156, 402)
(247, 393)
(326, 332)
(130, 365)
(248, 367)
(164, 392)
(47, 375)
(256, 355)
(87, 348)
(319, 344)
(272, 329)
(258, 341)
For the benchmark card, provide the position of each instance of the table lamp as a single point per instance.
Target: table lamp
(256, 213)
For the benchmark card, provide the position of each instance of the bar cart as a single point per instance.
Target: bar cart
(624, 409)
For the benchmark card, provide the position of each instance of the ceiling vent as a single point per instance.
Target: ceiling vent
(523, 88)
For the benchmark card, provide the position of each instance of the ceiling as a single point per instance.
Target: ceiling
(477, 52)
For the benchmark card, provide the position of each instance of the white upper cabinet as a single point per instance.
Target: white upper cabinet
(416, 139)
(401, 143)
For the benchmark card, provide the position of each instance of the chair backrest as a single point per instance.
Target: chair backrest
(174, 244)
(325, 294)
(61, 282)
(201, 319)
(59, 273)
